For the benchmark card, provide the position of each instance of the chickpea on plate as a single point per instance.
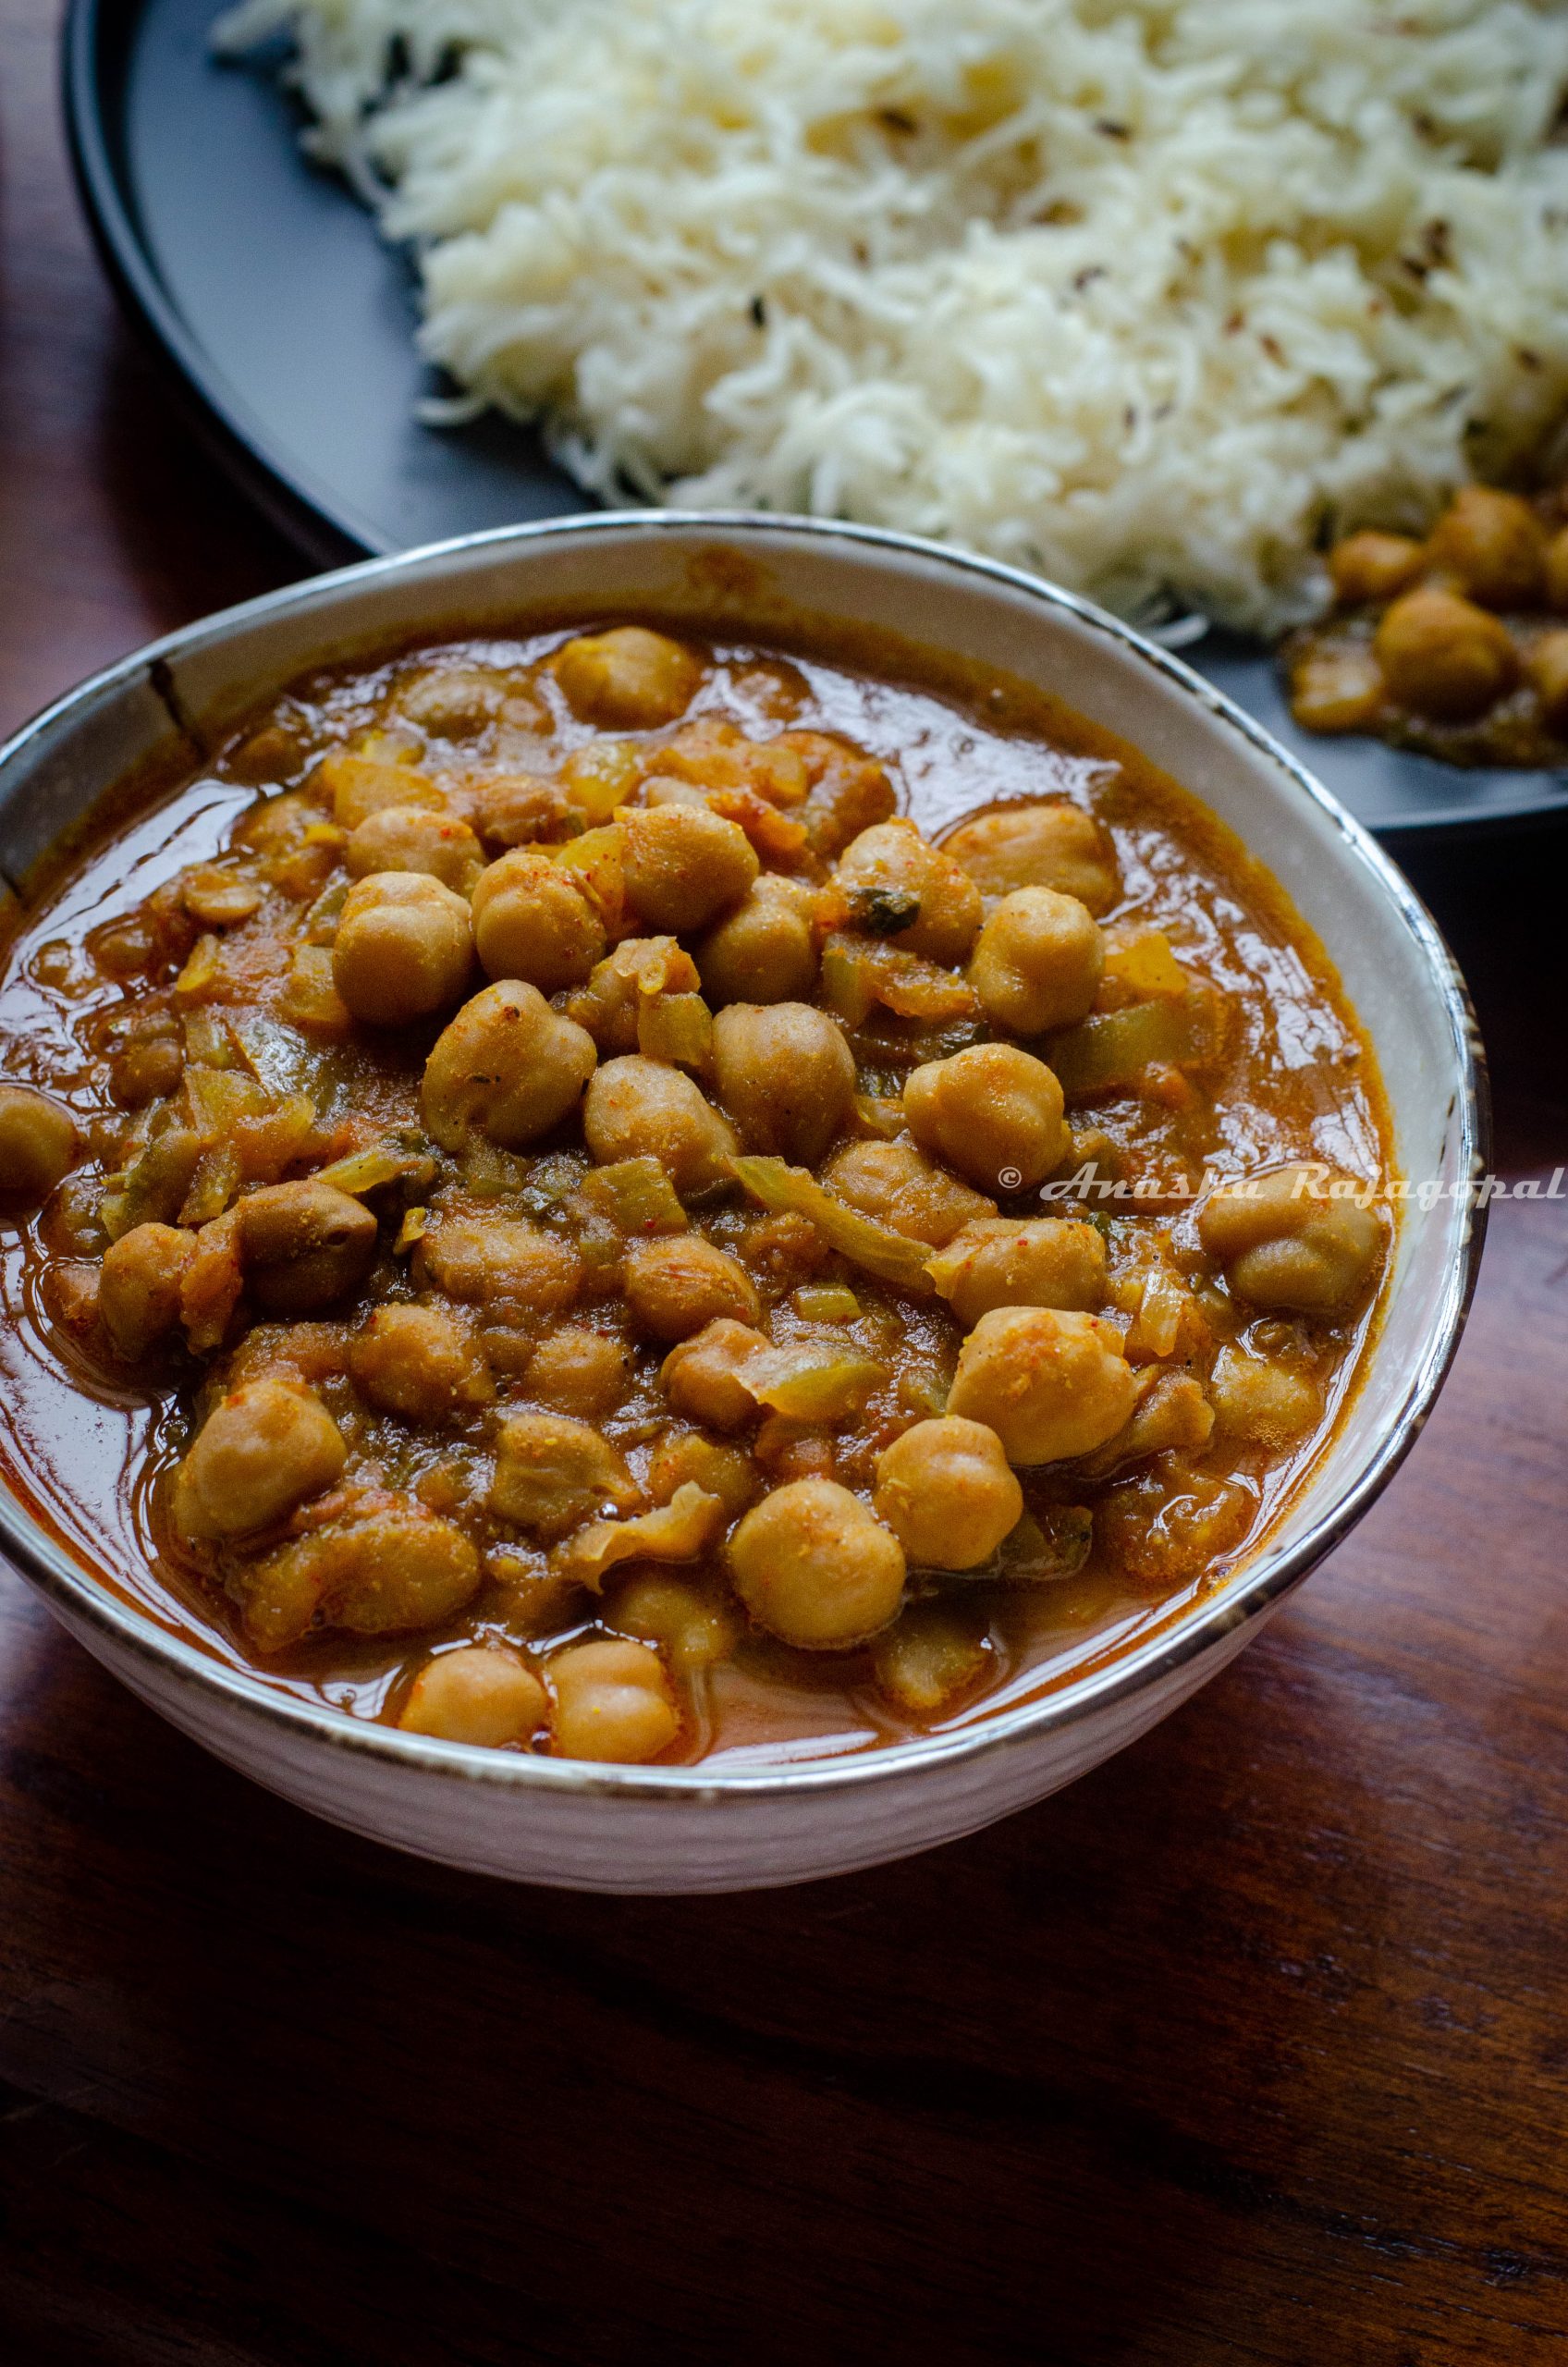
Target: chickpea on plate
(1457, 646)
(570, 1207)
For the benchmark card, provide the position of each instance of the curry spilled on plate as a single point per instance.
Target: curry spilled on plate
(536, 1211)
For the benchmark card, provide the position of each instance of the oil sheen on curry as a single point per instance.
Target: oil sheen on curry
(546, 1209)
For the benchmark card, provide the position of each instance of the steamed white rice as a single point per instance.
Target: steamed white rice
(1142, 296)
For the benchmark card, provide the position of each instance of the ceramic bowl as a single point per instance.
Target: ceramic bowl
(696, 1829)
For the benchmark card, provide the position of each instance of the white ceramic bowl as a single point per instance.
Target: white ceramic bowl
(691, 1829)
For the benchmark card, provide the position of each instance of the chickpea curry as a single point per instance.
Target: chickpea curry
(1456, 646)
(545, 1209)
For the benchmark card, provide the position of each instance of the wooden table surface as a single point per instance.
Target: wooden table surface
(1250, 2047)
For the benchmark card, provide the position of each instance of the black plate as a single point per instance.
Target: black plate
(265, 283)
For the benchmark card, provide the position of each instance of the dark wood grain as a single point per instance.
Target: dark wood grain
(1252, 2048)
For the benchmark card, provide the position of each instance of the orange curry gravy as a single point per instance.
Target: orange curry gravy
(195, 943)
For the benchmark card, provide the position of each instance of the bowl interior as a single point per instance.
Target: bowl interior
(179, 697)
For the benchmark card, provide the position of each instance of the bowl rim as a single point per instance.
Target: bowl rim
(1264, 1582)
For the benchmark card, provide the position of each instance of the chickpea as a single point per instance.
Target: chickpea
(934, 1653)
(417, 1362)
(765, 950)
(894, 1184)
(507, 1066)
(1337, 688)
(713, 1464)
(816, 1568)
(689, 1628)
(1442, 657)
(1285, 1239)
(628, 680)
(1557, 570)
(264, 1450)
(1371, 566)
(400, 1567)
(577, 1371)
(480, 1693)
(701, 1377)
(408, 838)
(611, 1004)
(533, 921)
(613, 1702)
(893, 866)
(993, 1111)
(403, 949)
(641, 1108)
(1546, 667)
(302, 1245)
(676, 1285)
(1032, 1261)
(685, 864)
(551, 1473)
(360, 786)
(138, 1288)
(1257, 1399)
(1045, 843)
(503, 1264)
(1050, 1382)
(1492, 545)
(39, 1143)
(785, 1074)
(945, 1491)
(1039, 962)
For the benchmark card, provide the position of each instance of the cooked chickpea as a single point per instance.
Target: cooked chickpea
(1371, 566)
(1546, 667)
(765, 949)
(399, 1568)
(628, 680)
(409, 837)
(1291, 1239)
(533, 921)
(684, 865)
(701, 1377)
(1259, 1399)
(945, 1491)
(610, 1006)
(898, 1185)
(1038, 963)
(1492, 545)
(1051, 1383)
(480, 1693)
(641, 1108)
(264, 1450)
(1049, 844)
(613, 1702)
(1442, 657)
(993, 1111)
(419, 1362)
(816, 1568)
(713, 1464)
(1337, 687)
(1029, 1261)
(893, 868)
(690, 1628)
(676, 1286)
(302, 1245)
(139, 1287)
(581, 1372)
(503, 1263)
(551, 1473)
(403, 949)
(39, 1143)
(507, 1066)
(785, 1074)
